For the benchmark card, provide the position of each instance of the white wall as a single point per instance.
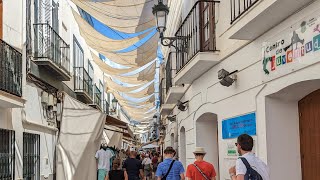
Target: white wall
(206, 95)
(12, 26)
(283, 139)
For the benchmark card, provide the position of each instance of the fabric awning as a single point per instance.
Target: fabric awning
(151, 142)
(126, 16)
(112, 121)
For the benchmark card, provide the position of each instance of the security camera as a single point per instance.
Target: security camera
(181, 105)
(225, 79)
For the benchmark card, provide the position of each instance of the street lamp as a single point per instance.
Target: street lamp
(161, 11)
(114, 104)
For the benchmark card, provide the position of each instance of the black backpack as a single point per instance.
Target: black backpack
(251, 174)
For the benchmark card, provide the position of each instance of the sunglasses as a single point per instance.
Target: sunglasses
(236, 144)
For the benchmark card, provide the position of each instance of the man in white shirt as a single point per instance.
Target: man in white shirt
(245, 145)
(103, 158)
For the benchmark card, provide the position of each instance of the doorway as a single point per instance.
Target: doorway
(284, 123)
(309, 121)
(183, 156)
(207, 137)
(172, 140)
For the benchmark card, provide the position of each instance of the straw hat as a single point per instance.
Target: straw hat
(199, 150)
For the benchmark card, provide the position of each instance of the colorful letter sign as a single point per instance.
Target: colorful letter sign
(233, 127)
(294, 48)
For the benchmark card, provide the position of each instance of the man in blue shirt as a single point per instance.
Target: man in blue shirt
(177, 170)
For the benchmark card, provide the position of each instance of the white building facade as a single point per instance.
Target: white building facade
(42, 54)
(273, 48)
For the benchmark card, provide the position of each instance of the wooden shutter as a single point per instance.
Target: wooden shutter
(207, 34)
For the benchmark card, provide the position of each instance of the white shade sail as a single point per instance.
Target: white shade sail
(95, 39)
(123, 15)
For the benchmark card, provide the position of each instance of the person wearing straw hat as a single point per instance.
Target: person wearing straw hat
(200, 169)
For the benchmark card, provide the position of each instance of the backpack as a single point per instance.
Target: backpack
(251, 174)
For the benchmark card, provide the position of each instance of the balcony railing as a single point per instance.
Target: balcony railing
(82, 81)
(106, 107)
(199, 29)
(10, 69)
(97, 96)
(169, 73)
(50, 46)
(239, 7)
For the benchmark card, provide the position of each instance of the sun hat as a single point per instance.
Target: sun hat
(199, 150)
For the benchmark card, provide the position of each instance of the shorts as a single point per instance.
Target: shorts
(102, 173)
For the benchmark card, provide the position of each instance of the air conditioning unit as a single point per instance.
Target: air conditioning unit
(50, 100)
(44, 97)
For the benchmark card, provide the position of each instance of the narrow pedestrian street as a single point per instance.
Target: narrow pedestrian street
(159, 89)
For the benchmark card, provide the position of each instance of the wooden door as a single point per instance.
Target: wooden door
(1, 17)
(309, 112)
(207, 21)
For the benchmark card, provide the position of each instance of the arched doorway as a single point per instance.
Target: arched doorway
(183, 155)
(172, 140)
(288, 120)
(309, 121)
(207, 137)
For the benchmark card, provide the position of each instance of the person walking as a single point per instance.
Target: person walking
(147, 167)
(116, 173)
(133, 167)
(248, 166)
(170, 169)
(200, 169)
(155, 161)
(103, 157)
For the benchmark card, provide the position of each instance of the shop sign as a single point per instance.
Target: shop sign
(233, 127)
(293, 49)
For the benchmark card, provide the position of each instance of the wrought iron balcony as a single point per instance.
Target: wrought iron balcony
(106, 107)
(239, 7)
(96, 98)
(199, 28)
(83, 85)
(173, 92)
(258, 17)
(51, 51)
(10, 69)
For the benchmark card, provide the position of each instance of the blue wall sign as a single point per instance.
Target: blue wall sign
(233, 127)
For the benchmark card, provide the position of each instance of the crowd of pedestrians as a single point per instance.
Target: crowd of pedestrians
(148, 166)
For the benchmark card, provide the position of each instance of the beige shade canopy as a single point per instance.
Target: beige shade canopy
(94, 38)
(126, 16)
(123, 15)
(111, 70)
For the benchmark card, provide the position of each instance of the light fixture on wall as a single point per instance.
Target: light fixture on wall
(161, 11)
(182, 106)
(226, 78)
(114, 105)
(172, 118)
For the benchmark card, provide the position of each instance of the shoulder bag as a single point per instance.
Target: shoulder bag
(165, 176)
(201, 172)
